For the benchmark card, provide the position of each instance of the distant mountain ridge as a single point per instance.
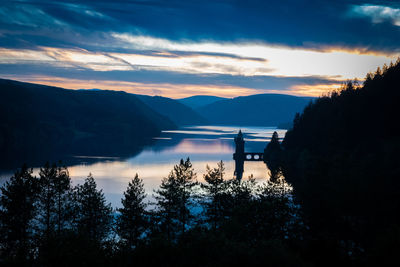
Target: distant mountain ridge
(44, 119)
(177, 112)
(198, 101)
(261, 109)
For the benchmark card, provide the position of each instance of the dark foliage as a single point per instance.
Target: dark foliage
(133, 220)
(342, 158)
(53, 203)
(215, 195)
(241, 223)
(174, 199)
(273, 156)
(94, 215)
(53, 200)
(17, 211)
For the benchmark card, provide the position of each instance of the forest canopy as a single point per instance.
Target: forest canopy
(342, 158)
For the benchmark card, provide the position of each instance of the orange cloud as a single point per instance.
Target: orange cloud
(163, 89)
(314, 90)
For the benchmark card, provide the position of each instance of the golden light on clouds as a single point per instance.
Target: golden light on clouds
(254, 60)
(162, 89)
(282, 61)
(315, 90)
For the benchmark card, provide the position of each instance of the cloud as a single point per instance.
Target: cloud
(27, 15)
(180, 82)
(209, 57)
(293, 23)
(378, 14)
(237, 47)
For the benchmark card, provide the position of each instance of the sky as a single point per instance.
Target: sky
(197, 47)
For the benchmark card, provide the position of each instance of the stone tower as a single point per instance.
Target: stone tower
(239, 155)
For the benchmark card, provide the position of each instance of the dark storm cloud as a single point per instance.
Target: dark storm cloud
(298, 23)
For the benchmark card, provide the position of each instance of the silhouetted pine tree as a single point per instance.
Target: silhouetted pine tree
(55, 212)
(296, 120)
(273, 156)
(174, 199)
(240, 194)
(277, 217)
(94, 215)
(54, 201)
(214, 188)
(17, 210)
(46, 201)
(63, 198)
(133, 221)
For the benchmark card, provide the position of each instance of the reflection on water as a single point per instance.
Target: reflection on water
(202, 144)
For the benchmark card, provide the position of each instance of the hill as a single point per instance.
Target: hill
(39, 119)
(342, 159)
(177, 112)
(198, 101)
(262, 109)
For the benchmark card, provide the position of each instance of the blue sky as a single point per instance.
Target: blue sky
(182, 48)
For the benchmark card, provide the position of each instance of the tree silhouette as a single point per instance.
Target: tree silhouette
(174, 198)
(17, 210)
(345, 173)
(46, 201)
(133, 221)
(54, 201)
(214, 194)
(273, 155)
(94, 215)
(277, 211)
(242, 221)
(55, 211)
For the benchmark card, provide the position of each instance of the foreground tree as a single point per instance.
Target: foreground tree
(174, 199)
(240, 195)
(93, 214)
(133, 221)
(17, 210)
(279, 215)
(273, 156)
(54, 201)
(55, 213)
(214, 194)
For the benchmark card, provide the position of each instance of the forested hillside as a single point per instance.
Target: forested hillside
(177, 112)
(263, 110)
(37, 119)
(342, 158)
(198, 101)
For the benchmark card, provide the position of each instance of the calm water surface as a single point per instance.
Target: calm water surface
(202, 144)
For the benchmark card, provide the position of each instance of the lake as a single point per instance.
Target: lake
(202, 144)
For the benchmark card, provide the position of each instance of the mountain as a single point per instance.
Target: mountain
(177, 112)
(39, 119)
(342, 158)
(262, 109)
(91, 89)
(198, 101)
